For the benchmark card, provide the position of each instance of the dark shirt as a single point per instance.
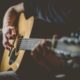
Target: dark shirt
(55, 11)
(57, 16)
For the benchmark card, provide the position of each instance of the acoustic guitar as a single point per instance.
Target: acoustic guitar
(24, 29)
(65, 47)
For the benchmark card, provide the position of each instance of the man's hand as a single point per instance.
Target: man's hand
(44, 56)
(40, 51)
(9, 33)
(41, 47)
(9, 19)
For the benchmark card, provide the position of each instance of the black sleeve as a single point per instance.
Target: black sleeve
(52, 11)
(36, 8)
(29, 7)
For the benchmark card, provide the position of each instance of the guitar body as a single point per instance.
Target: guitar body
(24, 29)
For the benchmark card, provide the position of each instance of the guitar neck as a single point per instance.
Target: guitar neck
(60, 48)
(30, 44)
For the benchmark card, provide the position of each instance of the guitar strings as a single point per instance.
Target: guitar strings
(19, 42)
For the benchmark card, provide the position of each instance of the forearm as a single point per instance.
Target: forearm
(12, 14)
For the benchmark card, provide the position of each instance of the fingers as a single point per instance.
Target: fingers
(8, 45)
(11, 33)
(8, 35)
(41, 49)
(44, 44)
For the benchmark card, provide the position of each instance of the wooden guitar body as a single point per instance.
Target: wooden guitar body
(24, 29)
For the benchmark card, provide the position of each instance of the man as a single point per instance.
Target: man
(61, 16)
(59, 13)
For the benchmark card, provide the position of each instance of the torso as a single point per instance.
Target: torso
(55, 17)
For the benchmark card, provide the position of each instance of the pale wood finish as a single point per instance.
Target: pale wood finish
(25, 28)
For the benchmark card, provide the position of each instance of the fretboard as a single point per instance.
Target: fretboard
(30, 44)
